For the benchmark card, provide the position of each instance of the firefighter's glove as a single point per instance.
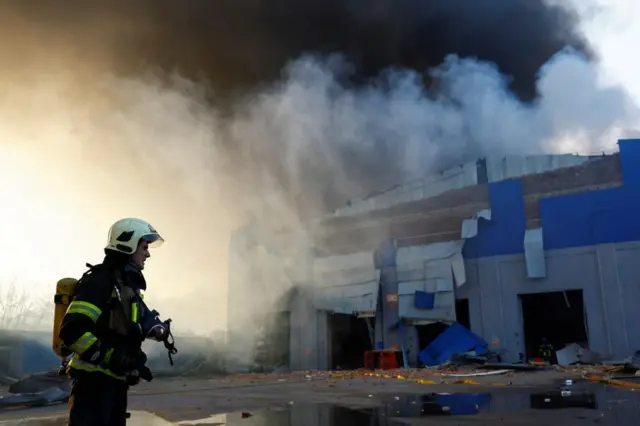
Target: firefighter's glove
(145, 373)
(142, 373)
(133, 380)
(121, 362)
(139, 371)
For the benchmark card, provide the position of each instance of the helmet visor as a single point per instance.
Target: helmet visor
(154, 240)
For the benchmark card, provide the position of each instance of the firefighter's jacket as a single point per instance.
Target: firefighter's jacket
(105, 313)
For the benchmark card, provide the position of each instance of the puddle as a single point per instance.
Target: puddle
(569, 404)
(573, 405)
(471, 404)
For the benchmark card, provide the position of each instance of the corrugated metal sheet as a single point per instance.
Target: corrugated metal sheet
(429, 268)
(459, 177)
(470, 226)
(350, 299)
(347, 283)
(501, 168)
(497, 169)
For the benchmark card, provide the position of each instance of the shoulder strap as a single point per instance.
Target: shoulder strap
(119, 282)
(92, 268)
(119, 285)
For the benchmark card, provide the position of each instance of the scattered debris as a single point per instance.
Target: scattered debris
(503, 365)
(483, 373)
(6, 380)
(35, 399)
(36, 390)
(39, 382)
(576, 354)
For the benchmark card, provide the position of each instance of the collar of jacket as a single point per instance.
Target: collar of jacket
(131, 274)
(134, 277)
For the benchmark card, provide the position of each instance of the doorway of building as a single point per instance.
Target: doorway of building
(558, 317)
(350, 339)
(427, 333)
(462, 313)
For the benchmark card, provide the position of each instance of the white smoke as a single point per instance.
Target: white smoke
(311, 116)
(610, 26)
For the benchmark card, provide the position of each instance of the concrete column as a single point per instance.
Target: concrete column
(387, 318)
(390, 312)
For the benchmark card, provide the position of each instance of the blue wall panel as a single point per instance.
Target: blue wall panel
(630, 160)
(504, 233)
(595, 217)
(574, 220)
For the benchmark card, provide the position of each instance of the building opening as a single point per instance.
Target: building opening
(427, 333)
(462, 313)
(351, 337)
(556, 319)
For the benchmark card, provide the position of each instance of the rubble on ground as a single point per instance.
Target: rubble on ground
(36, 390)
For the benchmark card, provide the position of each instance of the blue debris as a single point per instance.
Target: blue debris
(455, 339)
(462, 404)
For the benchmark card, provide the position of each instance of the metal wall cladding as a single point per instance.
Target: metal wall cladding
(508, 167)
(496, 169)
(429, 268)
(459, 177)
(346, 283)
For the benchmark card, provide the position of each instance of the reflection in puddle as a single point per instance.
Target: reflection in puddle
(471, 404)
(607, 407)
(265, 418)
(571, 405)
(564, 399)
(436, 404)
(216, 419)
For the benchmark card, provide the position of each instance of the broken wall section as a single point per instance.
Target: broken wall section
(427, 277)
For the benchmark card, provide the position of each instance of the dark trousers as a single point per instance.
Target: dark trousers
(98, 400)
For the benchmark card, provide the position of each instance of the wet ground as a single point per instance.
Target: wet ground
(367, 403)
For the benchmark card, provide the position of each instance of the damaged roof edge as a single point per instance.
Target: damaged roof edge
(484, 170)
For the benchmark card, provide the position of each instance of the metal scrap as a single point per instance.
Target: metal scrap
(479, 374)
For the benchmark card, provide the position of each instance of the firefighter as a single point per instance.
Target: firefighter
(102, 327)
(546, 350)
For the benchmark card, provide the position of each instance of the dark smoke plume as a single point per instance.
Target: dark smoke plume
(239, 44)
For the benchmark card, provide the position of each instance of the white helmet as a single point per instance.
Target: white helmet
(125, 235)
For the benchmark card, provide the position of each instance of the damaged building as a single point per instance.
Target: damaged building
(517, 249)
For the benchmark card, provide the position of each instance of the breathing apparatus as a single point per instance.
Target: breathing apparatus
(152, 327)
